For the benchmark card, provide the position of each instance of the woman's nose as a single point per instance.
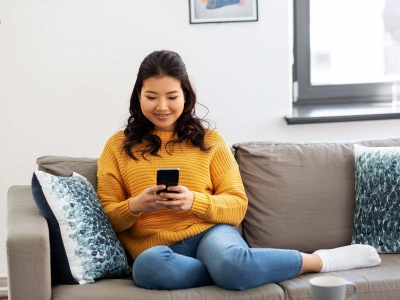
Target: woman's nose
(162, 104)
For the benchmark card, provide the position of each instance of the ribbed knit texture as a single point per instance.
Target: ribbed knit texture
(213, 177)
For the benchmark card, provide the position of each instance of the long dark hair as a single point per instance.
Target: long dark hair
(138, 128)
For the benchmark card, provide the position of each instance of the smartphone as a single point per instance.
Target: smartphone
(167, 176)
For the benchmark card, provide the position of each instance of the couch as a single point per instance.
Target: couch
(301, 196)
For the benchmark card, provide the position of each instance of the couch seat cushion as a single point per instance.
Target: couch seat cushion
(124, 289)
(381, 282)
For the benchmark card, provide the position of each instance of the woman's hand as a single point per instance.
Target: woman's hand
(182, 198)
(146, 201)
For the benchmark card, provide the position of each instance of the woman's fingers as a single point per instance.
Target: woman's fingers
(170, 196)
(174, 204)
(156, 188)
(168, 203)
(176, 188)
(176, 198)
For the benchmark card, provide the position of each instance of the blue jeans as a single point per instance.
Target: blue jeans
(217, 256)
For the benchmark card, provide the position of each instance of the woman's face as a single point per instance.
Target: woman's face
(162, 101)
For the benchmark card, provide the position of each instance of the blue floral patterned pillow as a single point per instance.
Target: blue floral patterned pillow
(377, 207)
(83, 244)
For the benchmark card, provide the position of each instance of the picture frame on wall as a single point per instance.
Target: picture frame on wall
(221, 11)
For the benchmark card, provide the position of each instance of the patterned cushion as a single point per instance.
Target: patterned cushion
(83, 244)
(377, 209)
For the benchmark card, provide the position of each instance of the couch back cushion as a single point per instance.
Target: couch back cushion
(301, 195)
(64, 166)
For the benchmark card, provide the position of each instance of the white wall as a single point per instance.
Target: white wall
(67, 69)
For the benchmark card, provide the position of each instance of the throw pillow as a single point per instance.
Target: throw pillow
(83, 244)
(377, 204)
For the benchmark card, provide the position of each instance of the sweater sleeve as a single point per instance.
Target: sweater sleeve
(111, 189)
(228, 203)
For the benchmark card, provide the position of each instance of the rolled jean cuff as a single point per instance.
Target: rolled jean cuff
(300, 263)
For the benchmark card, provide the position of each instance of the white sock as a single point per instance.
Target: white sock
(348, 257)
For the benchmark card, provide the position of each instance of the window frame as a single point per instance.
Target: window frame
(303, 91)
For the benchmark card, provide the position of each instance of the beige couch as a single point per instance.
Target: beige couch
(301, 196)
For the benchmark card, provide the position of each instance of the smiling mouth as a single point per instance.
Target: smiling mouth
(162, 116)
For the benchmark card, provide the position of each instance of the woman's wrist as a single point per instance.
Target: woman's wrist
(132, 206)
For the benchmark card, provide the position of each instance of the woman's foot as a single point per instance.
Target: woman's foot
(348, 257)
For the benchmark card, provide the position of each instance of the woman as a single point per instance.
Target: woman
(189, 241)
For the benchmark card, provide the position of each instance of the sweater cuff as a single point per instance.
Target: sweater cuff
(201, 203)
(126, 214)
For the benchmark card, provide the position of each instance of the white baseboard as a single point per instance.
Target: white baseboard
(3, 285)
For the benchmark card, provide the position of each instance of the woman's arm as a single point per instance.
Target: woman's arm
(228, 203)
(227, 206)
(112, 192)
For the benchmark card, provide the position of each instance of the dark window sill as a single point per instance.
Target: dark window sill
(341, 112)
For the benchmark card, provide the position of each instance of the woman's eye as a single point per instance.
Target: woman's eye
(173, 98)
(150, 98)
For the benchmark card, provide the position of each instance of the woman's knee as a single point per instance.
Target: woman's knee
(229, 269)
(159, 268)
(150, 268)
(224, 253)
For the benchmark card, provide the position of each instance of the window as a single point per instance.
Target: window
(345, 50)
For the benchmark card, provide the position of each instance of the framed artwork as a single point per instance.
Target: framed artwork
(220, 11)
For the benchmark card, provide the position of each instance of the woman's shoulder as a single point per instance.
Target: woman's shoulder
(213, 137)
(116, 140)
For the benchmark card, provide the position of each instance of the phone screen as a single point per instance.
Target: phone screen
(167, 176)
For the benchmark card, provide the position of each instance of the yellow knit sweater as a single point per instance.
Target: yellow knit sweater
(213, 177)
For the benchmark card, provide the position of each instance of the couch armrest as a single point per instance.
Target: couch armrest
(28, 247)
